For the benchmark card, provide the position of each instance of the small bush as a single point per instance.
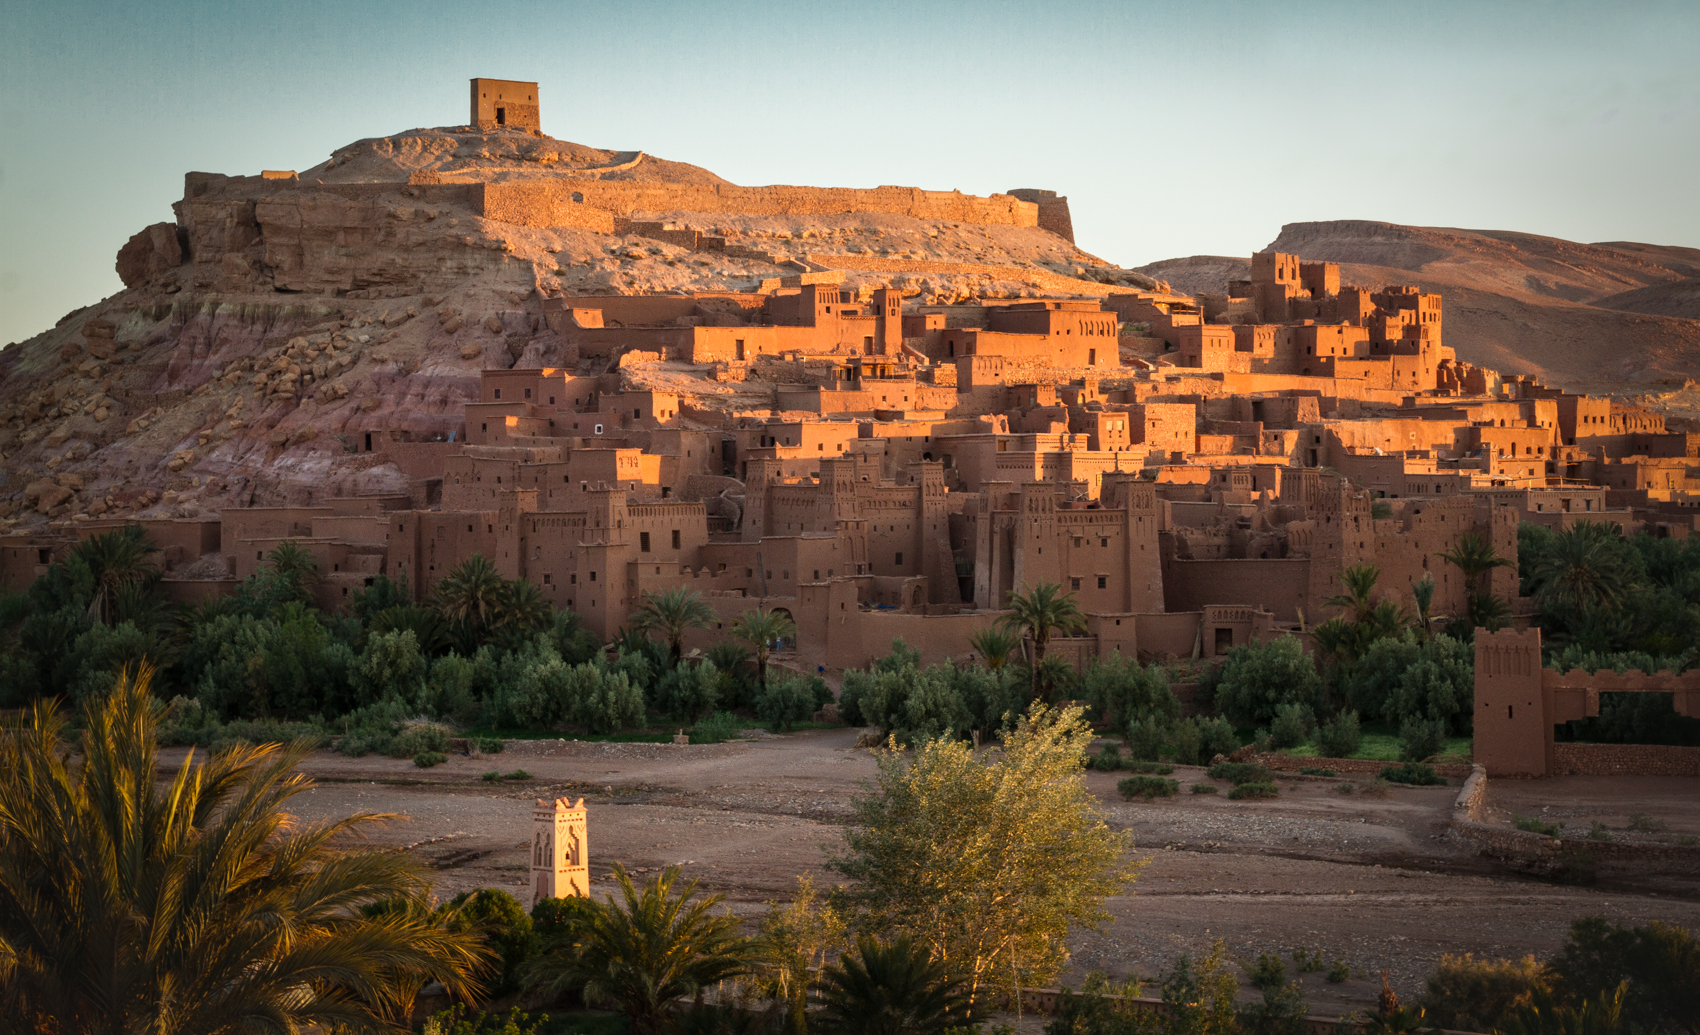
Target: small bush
(1291, 725)
(1310, 770)
(1147, 787)
(1345, 788)
(1204, 788)
(1416, 773)
(1256, 789)
(1239, 772)
(1420, 739)
(1534, 825)
(1377, 788)
(1269, 972)
(1216, 737)
(1642, 821)
(454, 1021)
(715, 729)
(1341, 737)
(1133, 765)
(1468, 994)
(1598, 832)
(1184, 742)
(495, 777)
(491, 745)
(1307, 961)
(427, 759)
(1145, 737)
(1107, 760)
(1338, 973)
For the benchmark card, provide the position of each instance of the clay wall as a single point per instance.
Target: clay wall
(567, 202)
(1276, 585)
(179, 541)
(504, 102)
(1053, 212)
(238, 525)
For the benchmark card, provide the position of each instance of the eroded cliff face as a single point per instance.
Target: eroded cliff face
(273, 325)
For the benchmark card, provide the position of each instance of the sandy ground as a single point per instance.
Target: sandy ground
(1371, 880)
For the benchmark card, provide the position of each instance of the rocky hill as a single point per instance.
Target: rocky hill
(279, 318)
(1578, 314)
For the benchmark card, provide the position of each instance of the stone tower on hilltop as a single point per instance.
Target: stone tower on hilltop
(505, 103)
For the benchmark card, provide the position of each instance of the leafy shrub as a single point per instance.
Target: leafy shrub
(391, 666)
(1308, 961)
(1598, 832)
(1291, 725)
(1260, 676)
(1239, 772)
(1416, 773)
(548, 691)
(1310, 770)
(1256, 789)
(1468, 994)
(1122, 691)
(1420, 739)
(1345, 788)
(715, 729)
(1204, 788)
(427, 759)
(454, 1021)
(1660, 962)
(1147, 787)
(506, 928)
(1338, 973)
(491, 745)
(1108, 759)
(1340, 737)
(1136, 766)
(787, 702)
(687, 691)
(494, 776)
(1644, 822)
(1535, 825)
(1184, 741)
(1268, 972)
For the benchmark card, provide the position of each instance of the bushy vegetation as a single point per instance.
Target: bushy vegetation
(1414, 773)
(1148, 787)
(915, 704)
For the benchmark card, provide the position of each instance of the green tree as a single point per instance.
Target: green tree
(197, 904)
(1474, 557)
(650, 948)
(1586, 566)
(892, 988)
(294, 571)
(670, 613)
(987, 862)
(994, 646)
(761, 629)
(1356, 603)
(792, 943)
(1422, 591)
(525, 609)
(1043, 611)
(1260, 676)
(472, 596)
(117, 559)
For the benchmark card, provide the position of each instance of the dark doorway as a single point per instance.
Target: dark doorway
(368, 442)
(1224, 641)
(501, 116)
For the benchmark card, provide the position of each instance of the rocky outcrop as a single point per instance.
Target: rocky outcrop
(154, 251)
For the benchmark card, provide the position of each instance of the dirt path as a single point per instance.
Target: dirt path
(1371, 880)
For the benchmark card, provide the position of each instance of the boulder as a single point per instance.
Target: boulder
(471, 351)
(52, 498)
(155, 250)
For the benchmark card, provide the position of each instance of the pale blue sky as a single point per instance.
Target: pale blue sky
(1174, 129)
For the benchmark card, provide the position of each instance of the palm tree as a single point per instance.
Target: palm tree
(670, 614)
(198, 904)
(1359, 581)
(1584, 568)
(1474, 557)
(1422, 591)
(473, 596)
(117, 560)
(525, 608)
(642, 953)
(761, 629)
(1044, 610)
(295, 570)
(994, 646)
(892, 989)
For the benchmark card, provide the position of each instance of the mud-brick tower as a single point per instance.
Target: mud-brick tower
(560, 851)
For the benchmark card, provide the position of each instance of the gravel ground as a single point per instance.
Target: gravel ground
(1371, 880)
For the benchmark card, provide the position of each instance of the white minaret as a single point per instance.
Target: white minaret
(560, 851)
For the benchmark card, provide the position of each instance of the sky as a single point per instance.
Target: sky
(1173, 128)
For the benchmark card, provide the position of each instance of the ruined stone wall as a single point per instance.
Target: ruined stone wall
(594, 203)
(1624, 760)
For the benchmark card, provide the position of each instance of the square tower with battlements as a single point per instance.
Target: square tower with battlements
(505, 102)
(560, 851)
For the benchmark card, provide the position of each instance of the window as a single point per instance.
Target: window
(675, 538)
(572, 579)
(547, 578)
(498, 393)
(899, 557)
(1103, 582)
(528, 393)
(1074, 583)
(643, 542)
(593, 576)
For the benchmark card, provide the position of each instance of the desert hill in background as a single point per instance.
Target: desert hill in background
(1580, 315)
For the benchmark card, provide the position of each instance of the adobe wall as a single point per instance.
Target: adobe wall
(593, 204)
(1277, 585)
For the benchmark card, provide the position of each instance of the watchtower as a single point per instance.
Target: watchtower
(560, 851)
(505, 102)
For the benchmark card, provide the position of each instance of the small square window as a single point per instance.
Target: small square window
(1073, 583)
(900, 557)
(643, 542)
(1103, 582)
(675, 538)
